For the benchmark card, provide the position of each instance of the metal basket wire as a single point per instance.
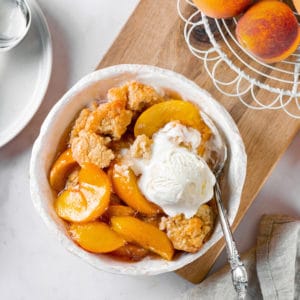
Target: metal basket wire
(234, 71)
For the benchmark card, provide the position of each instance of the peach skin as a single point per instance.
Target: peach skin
(119, 210)
(60, 170)
(222, 8)
(269, 30)
(158, 115)
(96, 237)
(144, 234)
(90, 200)
(126, 187)
(131, 252)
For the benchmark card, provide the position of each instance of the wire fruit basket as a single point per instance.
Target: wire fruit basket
(236, 72)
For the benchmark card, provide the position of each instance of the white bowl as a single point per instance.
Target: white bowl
(95, 85)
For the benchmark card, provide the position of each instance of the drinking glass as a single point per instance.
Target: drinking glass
(15, 19)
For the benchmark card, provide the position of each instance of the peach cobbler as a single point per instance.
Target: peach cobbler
(133, 179)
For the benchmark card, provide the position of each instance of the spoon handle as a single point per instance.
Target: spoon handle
(238, 270)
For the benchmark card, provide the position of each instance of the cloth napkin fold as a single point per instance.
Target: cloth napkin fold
(273, 266)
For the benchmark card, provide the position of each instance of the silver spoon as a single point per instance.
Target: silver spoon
(238, 270)
(15, 20)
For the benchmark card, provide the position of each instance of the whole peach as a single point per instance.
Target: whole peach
(222, 8)
(269, 30)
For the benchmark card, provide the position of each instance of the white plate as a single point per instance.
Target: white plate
(95, 86)
(24, 77)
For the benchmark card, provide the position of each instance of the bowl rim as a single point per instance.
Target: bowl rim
(36, 190)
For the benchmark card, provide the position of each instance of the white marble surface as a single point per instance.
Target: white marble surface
(32, 264)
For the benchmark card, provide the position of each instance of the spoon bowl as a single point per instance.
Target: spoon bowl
(216, 153)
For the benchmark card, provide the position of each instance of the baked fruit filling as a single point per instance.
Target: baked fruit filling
(133, 179)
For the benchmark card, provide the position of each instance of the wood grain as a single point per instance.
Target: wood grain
(153, 35)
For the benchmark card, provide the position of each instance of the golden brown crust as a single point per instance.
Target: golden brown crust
(113, 117)
(80, 123)
(141, 147)
(189, 234)
(136, 96)
(206, 214)
(118, 93)
(110, 118)
(141, 96)
(90, 147)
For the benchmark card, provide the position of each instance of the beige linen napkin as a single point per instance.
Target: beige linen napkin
(273, 266)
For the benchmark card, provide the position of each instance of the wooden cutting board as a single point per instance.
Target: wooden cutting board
(154, 35)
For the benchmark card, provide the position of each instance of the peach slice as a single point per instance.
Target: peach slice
(158, 115)
(60, 170)
(119, 210)
(125, 185)
(70, 205)
(269, 30)
(131, 252)
(109, 173)
(96, 237)
(90, 201)
(221, 8)
(144, 234)
(92, 175)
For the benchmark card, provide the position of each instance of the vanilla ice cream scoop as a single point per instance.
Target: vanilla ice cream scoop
(175, 177)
